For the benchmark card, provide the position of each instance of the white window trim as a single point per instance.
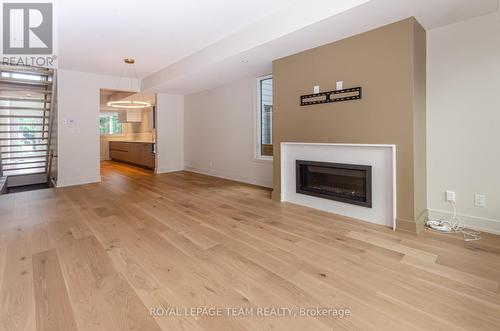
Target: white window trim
(257, 122)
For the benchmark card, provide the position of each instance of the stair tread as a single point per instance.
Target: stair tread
(23, 124)
(22, 157)
(24, 89)
(20, 166)
(18, 163)
(21, 145)
(32, 151)
(24, 116)
(26, 70)
(23, 172)
(20, 99)
(24, 139)
(24, 131)
(24, 108)
(19, 81)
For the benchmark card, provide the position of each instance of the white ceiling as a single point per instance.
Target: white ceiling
(95, 35)
(191, 45)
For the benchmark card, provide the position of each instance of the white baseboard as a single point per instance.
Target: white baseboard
(78, 181)
(238, 178)
(472, 222)
(167, 170)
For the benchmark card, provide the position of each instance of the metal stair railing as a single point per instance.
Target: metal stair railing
(48, 159)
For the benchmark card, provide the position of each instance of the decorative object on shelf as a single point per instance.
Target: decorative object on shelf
(339, 85)
(347, 94)
(130, 102)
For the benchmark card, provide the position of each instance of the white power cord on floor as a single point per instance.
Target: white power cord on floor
(453, 225)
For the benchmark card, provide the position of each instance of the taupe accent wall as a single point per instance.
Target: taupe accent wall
(389, 64)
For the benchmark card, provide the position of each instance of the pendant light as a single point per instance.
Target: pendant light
(129, 102)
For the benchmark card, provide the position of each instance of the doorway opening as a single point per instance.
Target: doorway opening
(127, 135)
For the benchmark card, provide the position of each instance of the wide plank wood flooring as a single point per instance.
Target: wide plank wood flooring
(100, 256)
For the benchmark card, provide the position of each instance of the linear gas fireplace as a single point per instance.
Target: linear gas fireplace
(350, 183)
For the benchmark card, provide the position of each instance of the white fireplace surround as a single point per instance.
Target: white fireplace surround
(382, 158)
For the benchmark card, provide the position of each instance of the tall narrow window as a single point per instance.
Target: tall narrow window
(265, 118)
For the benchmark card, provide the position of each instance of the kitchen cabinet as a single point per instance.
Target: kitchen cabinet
(133, 152)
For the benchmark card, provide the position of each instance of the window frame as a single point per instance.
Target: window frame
(258, 121)
(110, 134)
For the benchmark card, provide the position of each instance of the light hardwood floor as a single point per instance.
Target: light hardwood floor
(99, 256)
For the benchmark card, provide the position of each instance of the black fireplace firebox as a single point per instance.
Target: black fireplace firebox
(350, 183)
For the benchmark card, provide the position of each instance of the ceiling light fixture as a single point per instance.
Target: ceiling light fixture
(129, 102)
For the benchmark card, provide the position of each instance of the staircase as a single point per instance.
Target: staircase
(26, 115)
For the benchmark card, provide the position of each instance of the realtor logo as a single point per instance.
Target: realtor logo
(27, 28)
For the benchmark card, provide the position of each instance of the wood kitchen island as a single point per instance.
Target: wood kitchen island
(138, 153)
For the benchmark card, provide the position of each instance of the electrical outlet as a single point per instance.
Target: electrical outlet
(450, 196)
(316, 89)
(480, 200)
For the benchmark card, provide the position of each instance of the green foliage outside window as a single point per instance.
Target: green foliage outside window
(109, 124)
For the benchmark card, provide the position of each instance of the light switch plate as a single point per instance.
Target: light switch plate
(450, 196)
(480, 200)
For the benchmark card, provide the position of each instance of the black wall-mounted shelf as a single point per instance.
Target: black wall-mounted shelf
(331, 96)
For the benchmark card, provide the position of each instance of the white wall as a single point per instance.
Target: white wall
(219, 134)
(78, 125)
(170, 132)
(463, 114)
